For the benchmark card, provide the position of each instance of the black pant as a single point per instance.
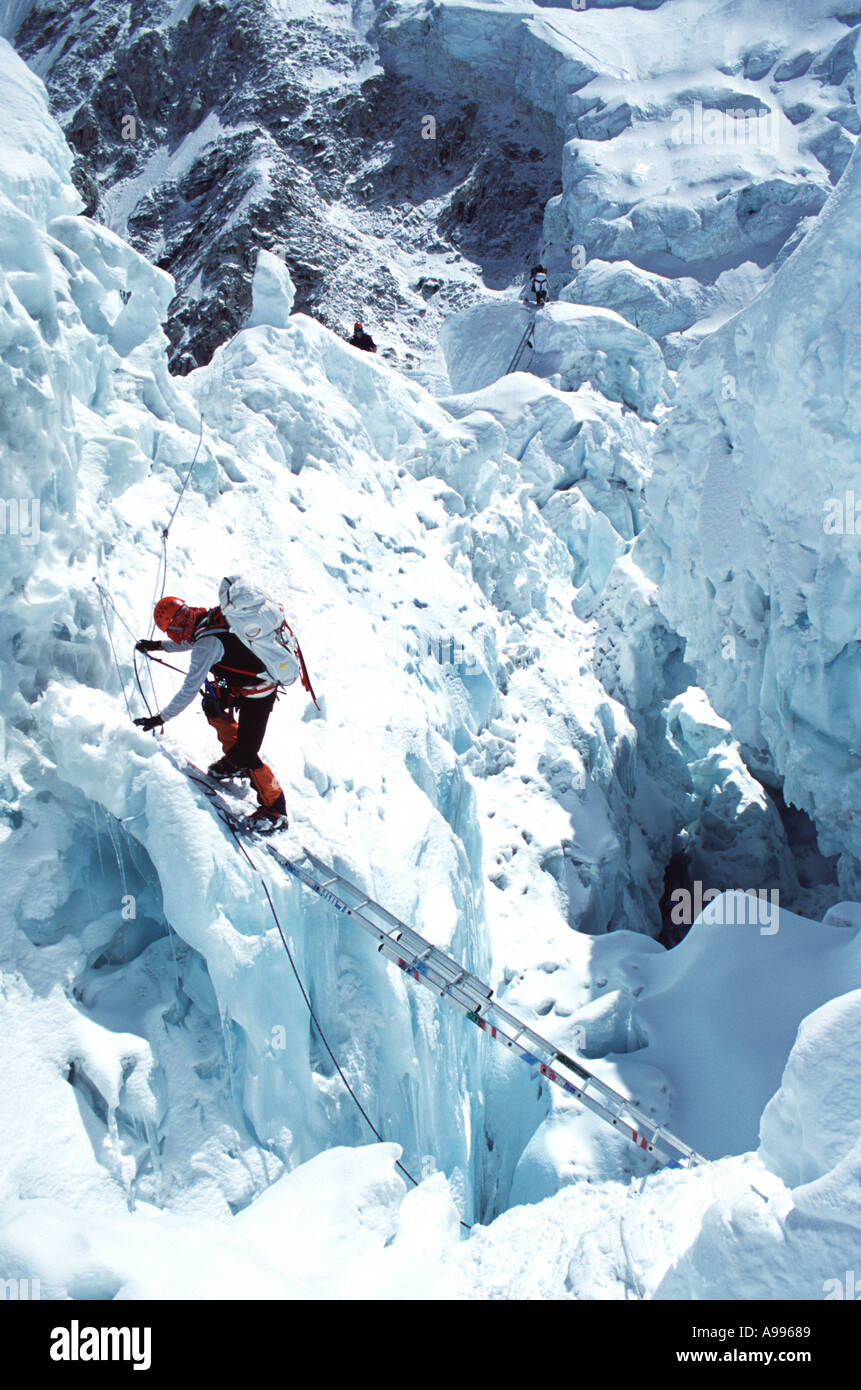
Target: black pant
(252, 716)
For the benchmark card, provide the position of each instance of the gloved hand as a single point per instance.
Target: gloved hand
(145, 645)
(149, 721)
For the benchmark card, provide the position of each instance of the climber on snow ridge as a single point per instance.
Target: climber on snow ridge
(361, 339)
(538, 284)
(239, 699)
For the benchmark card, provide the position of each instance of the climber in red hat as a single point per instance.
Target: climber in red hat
(237, 701)
(361, 339)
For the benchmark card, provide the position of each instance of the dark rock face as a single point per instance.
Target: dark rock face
(234, 128)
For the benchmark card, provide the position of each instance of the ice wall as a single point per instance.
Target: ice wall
(564, 342)
(754, 538)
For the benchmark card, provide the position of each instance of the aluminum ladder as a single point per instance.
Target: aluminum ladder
(472, 997)
(521, 347)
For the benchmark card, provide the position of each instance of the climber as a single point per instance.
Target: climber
(361, 339)
(539, 284)
(237, 702)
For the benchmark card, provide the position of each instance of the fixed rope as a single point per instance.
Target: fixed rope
(161, 579)
(161, 573)
(103, 596)
(228, 821)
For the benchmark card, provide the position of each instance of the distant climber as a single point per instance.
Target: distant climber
(361, 339)
(539, 284)
(237, 702)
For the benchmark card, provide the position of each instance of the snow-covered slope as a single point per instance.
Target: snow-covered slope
(564, 343)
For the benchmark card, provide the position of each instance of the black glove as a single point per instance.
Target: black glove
(145, 645)
(149, 721)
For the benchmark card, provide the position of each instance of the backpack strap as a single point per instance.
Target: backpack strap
(303, 669)
(212, 624)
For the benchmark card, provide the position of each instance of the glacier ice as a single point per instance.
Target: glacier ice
(151, 1023)
(764, 563)
(272, 292)
(566, 342)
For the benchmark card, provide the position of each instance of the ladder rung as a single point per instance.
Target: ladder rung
(446, 975)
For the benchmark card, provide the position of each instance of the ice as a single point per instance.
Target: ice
(801, 1241)
(812, 1125)
(758, 556)
(510, 741)
(34, 160)
(272, 292)
(567, 342)
(694, 152)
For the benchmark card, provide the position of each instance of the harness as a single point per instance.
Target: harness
(240, 673)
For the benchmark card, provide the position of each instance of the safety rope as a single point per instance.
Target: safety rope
(244, 850)
(162, 568)
(102, 595)
(106, 598)
(162, 574)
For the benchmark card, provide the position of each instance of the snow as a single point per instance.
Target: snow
(121, 200)
(174, 1128)
(272, 292)
(34, 160)
(566, 342)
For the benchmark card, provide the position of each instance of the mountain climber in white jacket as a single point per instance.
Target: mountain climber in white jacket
(237, 702)
(539, 285)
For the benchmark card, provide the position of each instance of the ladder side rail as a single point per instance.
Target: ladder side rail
(511, 1019)
(519, 349)
(637, 1126)
(618, 1122)
(613, 1106)
(429, 965)
(361, 893)
(425, 972)
(409, 942)
(422, 959)
(346, 885)
(460, 991)
(411, 938)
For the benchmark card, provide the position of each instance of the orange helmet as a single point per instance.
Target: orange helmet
(165, 610)
(176, 619)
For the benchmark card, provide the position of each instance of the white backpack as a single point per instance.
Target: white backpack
(260, 623)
